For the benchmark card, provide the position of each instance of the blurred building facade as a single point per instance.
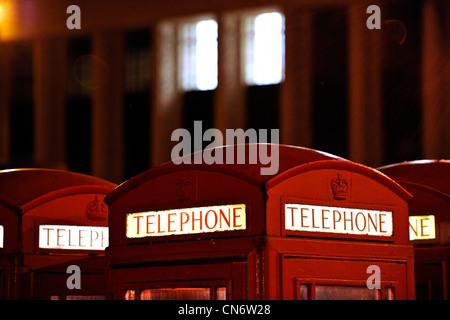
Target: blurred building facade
(104, 99)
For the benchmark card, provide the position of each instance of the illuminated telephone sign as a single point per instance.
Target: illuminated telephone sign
(186, 221)
(73, 237)
(422, 228)
(311, 218)
(1, 236)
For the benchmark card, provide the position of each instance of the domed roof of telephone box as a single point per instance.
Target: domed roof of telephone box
(286, 159)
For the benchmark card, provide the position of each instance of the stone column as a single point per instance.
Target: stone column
(5, 102)
(296, 91)
(364, 89)
(435, 81)
(166, 115)
(49, 94)
(229, 104)
(107, 106)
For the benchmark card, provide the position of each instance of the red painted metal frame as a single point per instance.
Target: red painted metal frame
(28, 271)
(428, 182)
(264, 247)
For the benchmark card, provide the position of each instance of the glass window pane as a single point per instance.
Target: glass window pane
(328, 292)
(176, 294)
(1, 239)
(130, 295)
(304, 292)
(85, 297)
(264, 48)
(206, 33)
(198, 55)
(221, 293)
(388, 293)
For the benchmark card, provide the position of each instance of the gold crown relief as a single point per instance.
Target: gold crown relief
(339, 187)
(183, 190)
(96, 210)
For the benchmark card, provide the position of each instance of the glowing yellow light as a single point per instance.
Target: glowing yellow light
(5, 18)
(422, 227)
(3, 11)
(73, 237)
(186, 221)
(1, 236)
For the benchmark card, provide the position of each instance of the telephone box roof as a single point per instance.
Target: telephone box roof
(30, 186)
(433, 174)
(291, 160)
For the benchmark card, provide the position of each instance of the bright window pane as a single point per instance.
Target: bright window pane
(304, 292)
(221, 293)
(130, 295)
(176, 294)
(388, 293)
(199, 55)
(264, 49)
(328, 292)
(85, 297)
(206, 54)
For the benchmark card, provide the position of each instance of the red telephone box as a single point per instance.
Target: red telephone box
(51, 220)
(321, 228)
(429, 222)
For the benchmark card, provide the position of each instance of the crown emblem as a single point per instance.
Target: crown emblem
(339, 187)
(96, 210)
(183, 190)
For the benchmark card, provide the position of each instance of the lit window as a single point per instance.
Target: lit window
(198, 55)
(71, 297)
(264, 48)
(183, 293)
(130, 295)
